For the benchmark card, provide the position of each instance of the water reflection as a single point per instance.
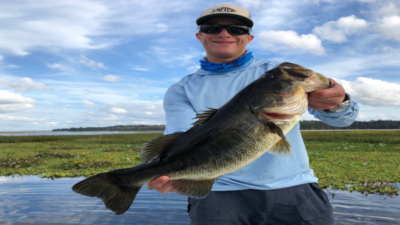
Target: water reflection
(30, 199)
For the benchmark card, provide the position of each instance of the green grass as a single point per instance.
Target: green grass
(70, 155)
(367, 160)
(364, 161)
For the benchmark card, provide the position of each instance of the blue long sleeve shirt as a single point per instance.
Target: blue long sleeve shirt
(194, 93)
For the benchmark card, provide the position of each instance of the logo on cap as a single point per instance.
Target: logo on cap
(223, 9)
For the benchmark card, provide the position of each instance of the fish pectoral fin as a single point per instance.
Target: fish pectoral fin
(193, 188)
(155, 147)
(276, 129)
(281, 148)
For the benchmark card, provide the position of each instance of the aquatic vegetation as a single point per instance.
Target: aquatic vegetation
(69, 156)
(55, 155)
(20, 162)
(362, 161)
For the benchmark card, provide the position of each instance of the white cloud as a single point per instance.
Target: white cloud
(51, 123)
(250, 3)
(37, 26)
(7, 97)
(112, 117)
(91, 63)
(111, 78)
(80, 25)
(350, 64)
(88, 104)
(118, 110)
(389, 27)
(138, 68)
(368, 1)
(377, 116)
(26, 84)
(149, 112)
(373, 92)
(60, 67)
(92, 92)
(10, 102)
(5, 108)
(6, 118)
(168, 54)
(337, 31)
(389, 9)
(11, 66)
(384, 48)
(273, 14)
(283, 40)
(1, 57)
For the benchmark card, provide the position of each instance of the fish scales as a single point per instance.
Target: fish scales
(253, 122)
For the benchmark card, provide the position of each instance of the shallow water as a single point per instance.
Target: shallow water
(32, 200)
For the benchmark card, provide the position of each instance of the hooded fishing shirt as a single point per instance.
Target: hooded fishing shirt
(212, 88)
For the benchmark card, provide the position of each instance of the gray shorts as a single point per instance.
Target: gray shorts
(304, 204)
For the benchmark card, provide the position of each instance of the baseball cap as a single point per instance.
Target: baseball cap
(226, 11)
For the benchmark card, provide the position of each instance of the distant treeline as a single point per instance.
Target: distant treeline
(304, 125)
(115, 128)
(373, 124)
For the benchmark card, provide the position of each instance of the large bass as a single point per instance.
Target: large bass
(253, 122)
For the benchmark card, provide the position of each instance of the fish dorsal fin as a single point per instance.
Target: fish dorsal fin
(193, 188)
(204, 117)
(155, 147)
(282, 147)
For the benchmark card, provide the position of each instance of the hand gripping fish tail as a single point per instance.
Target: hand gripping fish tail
(252, 123)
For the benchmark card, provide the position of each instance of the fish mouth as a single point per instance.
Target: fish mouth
(277, 116)
(295, 101)
(295, 105)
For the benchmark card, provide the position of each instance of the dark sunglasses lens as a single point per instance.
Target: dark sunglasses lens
(211, 29)
(232, 29)
(238, 30)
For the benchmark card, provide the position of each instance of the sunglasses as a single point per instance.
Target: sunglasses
(217, 28)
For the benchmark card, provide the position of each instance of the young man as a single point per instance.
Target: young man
(271, 189)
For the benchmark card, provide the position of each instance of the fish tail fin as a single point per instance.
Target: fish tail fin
(115, 196)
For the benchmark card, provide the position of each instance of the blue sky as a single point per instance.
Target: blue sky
(102, 63)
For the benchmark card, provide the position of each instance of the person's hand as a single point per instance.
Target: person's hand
(161, 184)
(327, 98)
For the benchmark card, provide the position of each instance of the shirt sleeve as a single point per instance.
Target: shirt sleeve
(179, 112)
(340, 119)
